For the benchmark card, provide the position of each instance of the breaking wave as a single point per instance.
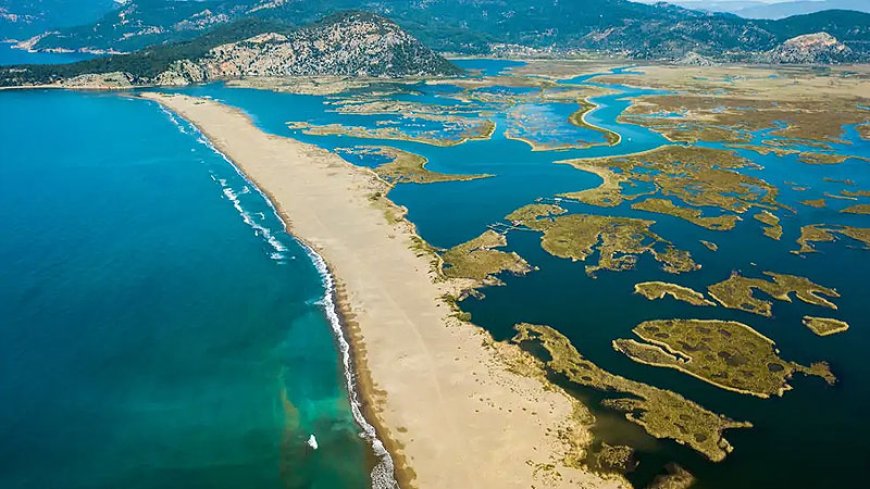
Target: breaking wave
(382, 475)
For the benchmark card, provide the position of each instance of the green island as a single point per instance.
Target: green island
(662, 413)
(820, 233)
(618, 240)
(479, 261)
(709, 245)
(578, 118)
(855, 193)
(699, 177)
(817, 203)
(822, 158)
(658, 290)
(736, 292)
(773, 229)
(608, 193)
(407, 167)
(663, 206)
(466, 130)
(727, 354)
(701, 117)
(857, 209)
(825, 326)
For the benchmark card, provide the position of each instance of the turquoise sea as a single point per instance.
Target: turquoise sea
(159, 328)
(165, 332)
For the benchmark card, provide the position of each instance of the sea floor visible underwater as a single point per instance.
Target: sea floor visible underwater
(166, 332)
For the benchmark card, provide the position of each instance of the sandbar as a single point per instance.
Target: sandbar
(439, 390)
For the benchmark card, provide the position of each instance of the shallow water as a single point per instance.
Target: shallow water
(815, 436)
(160, 329)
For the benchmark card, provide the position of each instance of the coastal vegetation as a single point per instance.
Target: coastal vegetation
(710, 245)
(773, 228)
(662, 413)
(407, 167)
(728, 104)
(857, 209)
(578, 118)
(817, 203)
(664, 206)
(825, 326)
(618, 240)
(658, 290)
(699, 177)
(727, 354)
(447, 131)
(736, 292)
(480, 261)
(821, 233)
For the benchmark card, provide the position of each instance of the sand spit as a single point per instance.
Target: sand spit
(448, 403)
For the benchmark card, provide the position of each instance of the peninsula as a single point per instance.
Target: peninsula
(450, 412)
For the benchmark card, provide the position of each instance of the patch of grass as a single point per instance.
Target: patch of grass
(662, 413)
(727, 354)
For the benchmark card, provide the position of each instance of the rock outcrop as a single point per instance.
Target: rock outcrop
(694, 59)
(818, 48)
(351, 44)
(355, 44)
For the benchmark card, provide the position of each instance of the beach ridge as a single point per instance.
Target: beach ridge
(445, 402)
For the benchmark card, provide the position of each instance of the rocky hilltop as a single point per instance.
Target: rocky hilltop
(648, 31)
(818, 48)
(346, 44)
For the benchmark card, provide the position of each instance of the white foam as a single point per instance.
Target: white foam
(382, 474)
(312, 442)
(173, 119)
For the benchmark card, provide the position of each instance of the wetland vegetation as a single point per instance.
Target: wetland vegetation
(727, 354)
(617, 240)
(658, 290)
(825, 326)
(743, 164)
(662, 413)
(736, 292)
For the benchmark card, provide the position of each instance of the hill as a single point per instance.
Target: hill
(659, 31)
(24, 18)
(351, 44)
(753, 9)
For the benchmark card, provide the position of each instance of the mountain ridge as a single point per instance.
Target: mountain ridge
(344, 44)
(659, 31)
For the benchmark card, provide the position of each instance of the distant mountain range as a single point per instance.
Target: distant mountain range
(25, 18)
(753, 9)
(344, 44)
(659, 31)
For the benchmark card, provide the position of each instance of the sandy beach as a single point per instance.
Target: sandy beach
(443, 397)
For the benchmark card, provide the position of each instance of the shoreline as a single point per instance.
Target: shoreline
(433, 387)
(383, 474)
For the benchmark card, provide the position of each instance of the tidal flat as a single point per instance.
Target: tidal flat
(629, 207)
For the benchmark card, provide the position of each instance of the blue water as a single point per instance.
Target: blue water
(159, 328)
(814, 437)
(11, 56)
(157, 337)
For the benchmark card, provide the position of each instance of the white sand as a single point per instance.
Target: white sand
(451, 413)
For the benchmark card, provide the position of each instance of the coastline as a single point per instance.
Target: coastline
(430, 400)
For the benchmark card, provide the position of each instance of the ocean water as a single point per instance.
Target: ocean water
(11, 56)
(815, 436)
(158, 328)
